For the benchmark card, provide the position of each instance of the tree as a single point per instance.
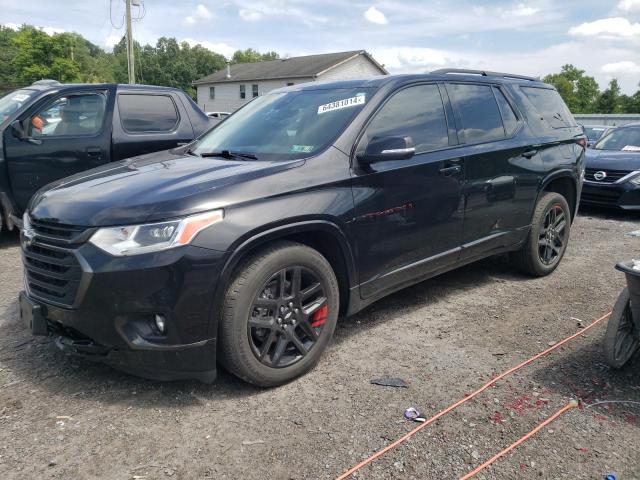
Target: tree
(609, 100)
(578, 90)
(250, 55)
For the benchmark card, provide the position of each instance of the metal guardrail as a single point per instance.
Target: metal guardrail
(617, 119)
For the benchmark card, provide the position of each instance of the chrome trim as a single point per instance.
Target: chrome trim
(397, 151)
(628, 176)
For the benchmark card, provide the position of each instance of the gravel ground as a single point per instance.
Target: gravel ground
(62, 417)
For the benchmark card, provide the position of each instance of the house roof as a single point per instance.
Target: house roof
(294, 67)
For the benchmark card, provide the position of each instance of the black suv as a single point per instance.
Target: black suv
(310, 202)
(50, 131)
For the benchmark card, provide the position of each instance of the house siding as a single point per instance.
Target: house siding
(228, 93)
(358, 67)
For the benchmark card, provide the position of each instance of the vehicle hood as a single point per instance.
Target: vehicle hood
(153, 187)
(612, 160)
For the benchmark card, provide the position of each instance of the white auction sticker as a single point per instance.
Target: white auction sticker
(20, 97)
(631, 148)
(340, 104)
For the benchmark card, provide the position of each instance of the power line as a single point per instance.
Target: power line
(111, 17)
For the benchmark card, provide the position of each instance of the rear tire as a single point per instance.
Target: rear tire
(548, 237)
(620, 341)
(279, 314)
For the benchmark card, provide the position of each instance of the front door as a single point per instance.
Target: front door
(408, 212)
(68, 134)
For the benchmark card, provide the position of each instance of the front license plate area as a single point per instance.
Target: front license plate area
(32, 316)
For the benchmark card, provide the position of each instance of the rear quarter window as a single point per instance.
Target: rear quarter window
(550, 106)
(147, 113)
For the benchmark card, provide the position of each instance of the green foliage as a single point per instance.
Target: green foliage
(579, 91)
(250, 55)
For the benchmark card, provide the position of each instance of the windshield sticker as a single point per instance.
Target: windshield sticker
(631, 148)
(301, 148)
(340, 104)
(597, 129)
(20, 97)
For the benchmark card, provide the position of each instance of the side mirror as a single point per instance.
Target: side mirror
(18, 130)
(387, 148)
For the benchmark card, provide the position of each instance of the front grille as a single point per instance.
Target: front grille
(57, 231)
(612, 175)
(52, 270)
(605, 198)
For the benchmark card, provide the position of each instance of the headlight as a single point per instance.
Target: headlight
(153, 237)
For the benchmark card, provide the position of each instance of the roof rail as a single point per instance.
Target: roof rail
(484, 73)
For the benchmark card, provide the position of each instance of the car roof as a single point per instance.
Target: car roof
(119, 86)
(443, 76)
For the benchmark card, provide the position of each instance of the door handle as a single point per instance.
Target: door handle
(451, 170)
(529, 153)
(94, 152)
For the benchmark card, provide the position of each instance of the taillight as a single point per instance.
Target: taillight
(582, 141)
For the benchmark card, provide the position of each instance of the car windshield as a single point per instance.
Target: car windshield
(594, 133)
(12, 102)
(625, 139)
(288, 125)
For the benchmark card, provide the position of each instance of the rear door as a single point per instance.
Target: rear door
(498, 185)
(408, 218)
(147, 122)
(69, 133)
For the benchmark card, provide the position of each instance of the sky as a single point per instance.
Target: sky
(531, 37)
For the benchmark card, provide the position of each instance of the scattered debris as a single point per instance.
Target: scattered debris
(635, 233)
(390, 382)
(252, 442)
(414, 415)
(476, 455)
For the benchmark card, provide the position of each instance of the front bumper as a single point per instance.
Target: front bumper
(624, 195)
(111, 317)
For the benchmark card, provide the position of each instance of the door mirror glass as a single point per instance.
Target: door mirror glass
(388, 148)
(17, 130)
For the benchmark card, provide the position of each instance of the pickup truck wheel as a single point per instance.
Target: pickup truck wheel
(548, 237)
(621, 341)
(279, 314)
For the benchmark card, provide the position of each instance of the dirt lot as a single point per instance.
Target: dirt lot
(66, 418)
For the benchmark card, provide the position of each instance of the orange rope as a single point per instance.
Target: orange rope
(566, 408)
(468, 397)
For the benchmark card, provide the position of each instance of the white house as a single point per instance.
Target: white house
(228, 89)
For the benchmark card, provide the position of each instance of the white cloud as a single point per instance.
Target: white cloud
(249, 15)
(12, 26)
(520, 10)
(48, 30)
(403, 59)
(626, 66)
(277, 10)
(611, 28)
(221, 48)
(201, 13)
(374, 15)
(629, 5)
(112, 40)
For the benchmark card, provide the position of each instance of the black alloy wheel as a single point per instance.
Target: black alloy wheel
(621, 341)
(287, 317)
(552, 236)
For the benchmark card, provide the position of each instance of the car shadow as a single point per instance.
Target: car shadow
(608, 213)
(39, 364)
(584, 374)
(9, 239)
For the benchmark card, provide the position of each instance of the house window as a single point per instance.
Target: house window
(254, 89)
(289, 84)
(242, 92)
(212, 93)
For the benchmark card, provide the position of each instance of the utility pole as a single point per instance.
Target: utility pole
(130, 62)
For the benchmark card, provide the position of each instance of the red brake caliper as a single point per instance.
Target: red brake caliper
(320, 316)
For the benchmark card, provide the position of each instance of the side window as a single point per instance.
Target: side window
(71, 115)
(243, 93)
(509, 118)
(254, 89)
(212, 93)
(551, 107)
(147, 113)
(478, 111)
(416, 112)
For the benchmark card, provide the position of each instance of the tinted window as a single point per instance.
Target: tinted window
(242, 91)
(509, 118)
(416, 112)
(285, 126)
(13, 101)
(147, 113)
(594, 133)
(550, 106)
(627, 139)
(212, 93)
(71, 115)
(478, 111)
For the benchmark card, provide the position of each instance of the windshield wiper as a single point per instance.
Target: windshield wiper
(230, 154)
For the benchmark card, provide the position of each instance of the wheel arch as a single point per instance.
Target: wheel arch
(324, 236)
(564, 183)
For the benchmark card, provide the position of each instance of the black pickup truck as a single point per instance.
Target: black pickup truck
(50, 131)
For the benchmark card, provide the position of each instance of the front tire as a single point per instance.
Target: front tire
(548, 237)
(279, 313)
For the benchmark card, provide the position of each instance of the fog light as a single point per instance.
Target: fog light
(161, 324)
